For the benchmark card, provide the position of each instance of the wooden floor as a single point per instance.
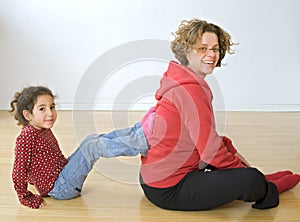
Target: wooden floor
(270, 141)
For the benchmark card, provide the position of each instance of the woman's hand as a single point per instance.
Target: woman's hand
(244, 161)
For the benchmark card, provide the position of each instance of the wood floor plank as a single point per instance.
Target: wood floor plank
(269, 140)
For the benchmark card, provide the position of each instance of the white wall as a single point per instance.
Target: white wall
(67, 44)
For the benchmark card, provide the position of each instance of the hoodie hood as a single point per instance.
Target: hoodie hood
(178, 74)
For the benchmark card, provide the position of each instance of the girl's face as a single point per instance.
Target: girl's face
(43, 115)
(205, 55)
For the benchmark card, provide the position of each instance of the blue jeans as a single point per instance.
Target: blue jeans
(123, 142)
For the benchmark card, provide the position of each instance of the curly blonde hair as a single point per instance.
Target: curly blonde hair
(188, 34)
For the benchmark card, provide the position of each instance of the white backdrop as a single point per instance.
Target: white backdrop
(55, 42)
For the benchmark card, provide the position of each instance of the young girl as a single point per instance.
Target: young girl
(39, 160)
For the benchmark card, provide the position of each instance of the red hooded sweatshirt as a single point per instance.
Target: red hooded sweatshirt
(184, 136)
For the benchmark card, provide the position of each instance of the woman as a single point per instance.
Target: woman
(189, 166)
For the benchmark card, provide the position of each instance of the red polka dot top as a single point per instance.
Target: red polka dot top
(38, 161)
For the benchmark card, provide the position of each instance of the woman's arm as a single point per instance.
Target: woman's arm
(197, 114)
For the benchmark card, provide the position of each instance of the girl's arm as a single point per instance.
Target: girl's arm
(21, 168)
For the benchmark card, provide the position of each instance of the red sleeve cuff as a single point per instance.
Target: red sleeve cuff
(228, 143)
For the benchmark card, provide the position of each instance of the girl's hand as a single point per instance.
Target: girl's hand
(43, 203)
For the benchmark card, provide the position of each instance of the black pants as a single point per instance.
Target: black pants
(200, 190)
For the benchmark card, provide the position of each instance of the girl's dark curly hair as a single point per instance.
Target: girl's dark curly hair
(188, 34)
(25, 100)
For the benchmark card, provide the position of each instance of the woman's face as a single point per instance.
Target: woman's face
(205, 55)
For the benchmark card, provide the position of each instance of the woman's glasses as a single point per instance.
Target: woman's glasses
(204, 50)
